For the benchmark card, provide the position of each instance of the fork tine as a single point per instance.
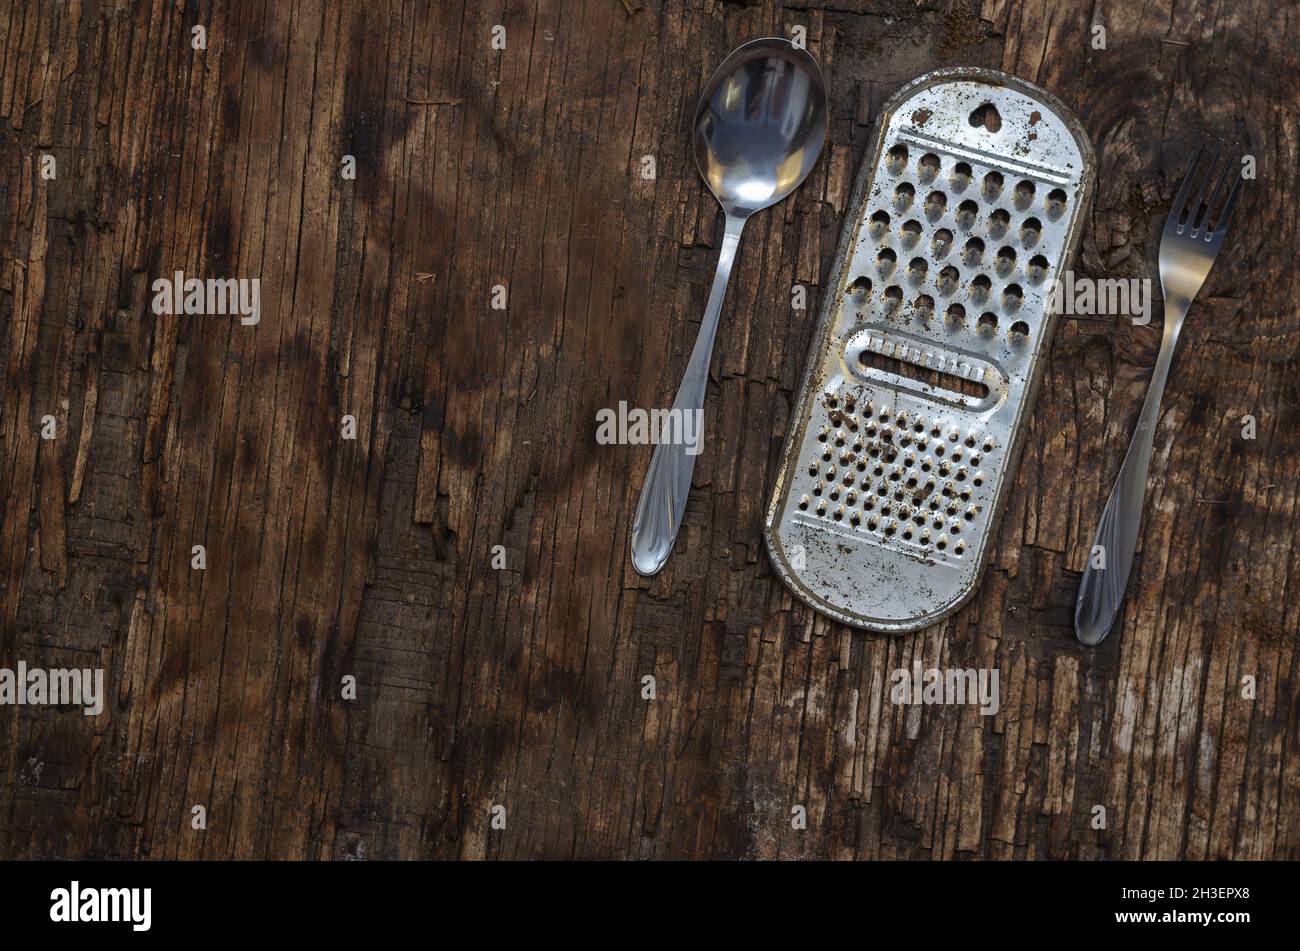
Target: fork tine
(1196, 220)
(1213, 202)
(1176, 209)
(1221, 225)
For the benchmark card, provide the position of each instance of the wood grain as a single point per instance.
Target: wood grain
(522, 687)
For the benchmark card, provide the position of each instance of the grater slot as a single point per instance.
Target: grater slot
(915, 362)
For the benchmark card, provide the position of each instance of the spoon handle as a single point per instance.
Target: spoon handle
(667, 482)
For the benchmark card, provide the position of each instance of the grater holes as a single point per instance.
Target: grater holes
(897, 159)
(911, 232)
(967, 212)
(885, 261)
(888, 483)
(916, 269)
(992, 186)
(927, 169)
(861, 286)
(941, 243)
(999, 222)
(1056, 203)
(960, 177)
(879, 224)
(973, 252)
(903, 195)
(947, 280)
(935, 205)
(1024, 194)
(987, 324)
(1031, 229)
(1005, 261)
(924, 308)
(956, 316)
(893, 297)
(1012, 297)
(980, 287)
(1019, 333)
(1037, 269)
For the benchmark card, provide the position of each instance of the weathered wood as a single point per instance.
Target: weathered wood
(373, 557)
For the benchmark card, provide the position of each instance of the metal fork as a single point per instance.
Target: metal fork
(1191, 240)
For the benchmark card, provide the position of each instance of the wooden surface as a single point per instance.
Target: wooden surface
(522, 687)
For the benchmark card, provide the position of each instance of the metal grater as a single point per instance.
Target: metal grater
(929, 350)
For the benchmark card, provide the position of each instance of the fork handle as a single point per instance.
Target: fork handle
(1101, 590)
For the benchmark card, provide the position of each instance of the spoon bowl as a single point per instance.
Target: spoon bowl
(759, 128)
(760, 125)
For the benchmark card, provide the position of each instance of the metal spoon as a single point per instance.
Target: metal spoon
(759, 128)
